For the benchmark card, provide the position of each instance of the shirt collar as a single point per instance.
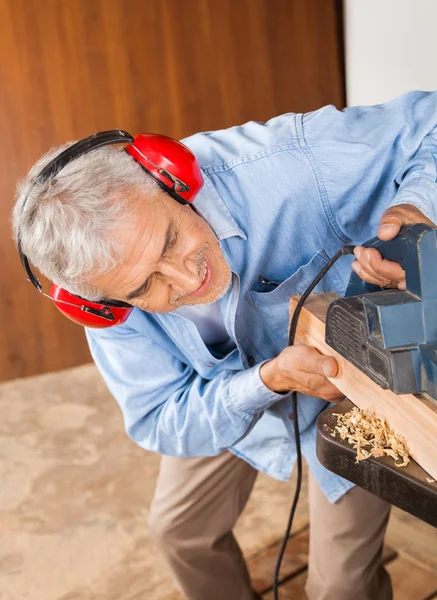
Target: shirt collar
(212, 208)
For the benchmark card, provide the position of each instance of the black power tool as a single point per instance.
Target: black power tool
(391, 335)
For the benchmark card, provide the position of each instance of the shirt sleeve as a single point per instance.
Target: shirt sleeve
(367, 158)
(167, 406)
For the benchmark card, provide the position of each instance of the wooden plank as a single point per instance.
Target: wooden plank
(294, 568)
(412, 536)
(410, 580)
(411, 416)
(293, 589)
(262, 566)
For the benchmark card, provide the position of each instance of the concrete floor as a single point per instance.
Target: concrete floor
(74, 498)
(75, 492)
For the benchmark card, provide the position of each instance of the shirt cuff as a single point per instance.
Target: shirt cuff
(248, 392)
(421, 193)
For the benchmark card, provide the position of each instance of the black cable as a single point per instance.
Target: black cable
(291, 335)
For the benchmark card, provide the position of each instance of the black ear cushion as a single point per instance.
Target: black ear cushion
(166, 188)
(115, 303)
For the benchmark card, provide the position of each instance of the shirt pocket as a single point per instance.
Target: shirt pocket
(297, 283)
(270, 310)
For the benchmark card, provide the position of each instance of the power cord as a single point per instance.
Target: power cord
(291, 335)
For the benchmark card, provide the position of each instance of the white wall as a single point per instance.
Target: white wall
(391, 48)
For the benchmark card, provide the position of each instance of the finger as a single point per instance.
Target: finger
(327, 366)
(358, 251)
(369, 278)
(381, 267)
(388, 231)
(311, 361)
(390, 224)
(380, 281)
(365, 270)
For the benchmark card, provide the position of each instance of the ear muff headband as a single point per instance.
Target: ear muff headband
(78, 309)
(168, 161)
(104, 138)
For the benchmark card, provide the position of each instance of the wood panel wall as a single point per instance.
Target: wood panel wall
(69, 68)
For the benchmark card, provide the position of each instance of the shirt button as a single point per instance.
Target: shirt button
(209, 364)
(251, 361)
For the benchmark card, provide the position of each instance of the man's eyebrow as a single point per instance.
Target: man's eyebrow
(144, 285)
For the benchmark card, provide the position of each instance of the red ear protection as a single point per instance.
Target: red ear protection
(171, 163)
(168, 161)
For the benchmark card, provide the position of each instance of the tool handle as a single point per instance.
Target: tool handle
(403, 249)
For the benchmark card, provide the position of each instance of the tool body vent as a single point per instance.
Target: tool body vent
(346, 332)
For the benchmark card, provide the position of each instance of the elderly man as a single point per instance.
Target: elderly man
(201, 369)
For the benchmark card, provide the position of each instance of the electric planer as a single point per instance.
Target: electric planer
(389, 334)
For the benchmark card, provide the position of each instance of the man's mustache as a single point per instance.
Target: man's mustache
(200, 261)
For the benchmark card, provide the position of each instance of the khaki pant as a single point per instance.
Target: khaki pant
(198, 500)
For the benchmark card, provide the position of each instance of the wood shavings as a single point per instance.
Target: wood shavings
(371, 436)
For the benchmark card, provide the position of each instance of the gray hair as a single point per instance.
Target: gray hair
(65, 226)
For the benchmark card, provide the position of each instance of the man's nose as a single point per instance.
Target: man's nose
(183, 274)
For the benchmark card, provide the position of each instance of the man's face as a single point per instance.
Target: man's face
(170, 258)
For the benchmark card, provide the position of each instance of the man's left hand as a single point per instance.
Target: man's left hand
(370, 265)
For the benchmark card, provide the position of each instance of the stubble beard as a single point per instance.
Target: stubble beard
(220, 289)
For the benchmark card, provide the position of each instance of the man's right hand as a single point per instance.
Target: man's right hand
(304, 369)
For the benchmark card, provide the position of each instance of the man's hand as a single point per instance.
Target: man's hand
(370, 265)
(304, 369)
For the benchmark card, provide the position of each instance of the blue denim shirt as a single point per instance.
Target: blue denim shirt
(282, 197)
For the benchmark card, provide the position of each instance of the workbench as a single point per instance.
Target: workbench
(409, 488)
